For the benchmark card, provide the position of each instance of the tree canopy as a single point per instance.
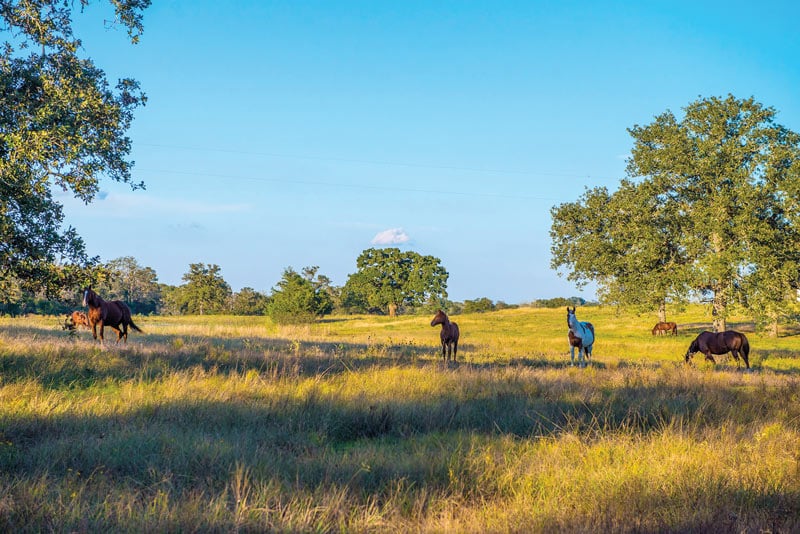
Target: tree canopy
(300, 298)
(388, 278)
(131, 283)
(710, 206)
(61, 125)
(205, 291)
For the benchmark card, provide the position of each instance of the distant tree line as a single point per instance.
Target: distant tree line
(387, 281)
(560, 302)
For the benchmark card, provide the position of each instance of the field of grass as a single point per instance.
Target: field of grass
(353, 424)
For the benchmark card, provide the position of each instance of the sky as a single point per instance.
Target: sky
(294, 134)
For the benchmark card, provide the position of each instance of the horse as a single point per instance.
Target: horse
(581, 336)
(661, 328)
(721, 343)
(448, 335)
(114, 314)
(78, 319)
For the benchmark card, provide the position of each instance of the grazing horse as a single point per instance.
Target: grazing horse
(78, 318)
(721, 343)
(581, 336)
(448, 335)
(114, 314)
(661, 328)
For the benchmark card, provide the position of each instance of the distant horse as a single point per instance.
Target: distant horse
(663, 328)
(114, 314)
(581, 337)
(721, 343)
(78, 318)
(448, 335)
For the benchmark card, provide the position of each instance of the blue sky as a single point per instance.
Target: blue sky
(282, 134)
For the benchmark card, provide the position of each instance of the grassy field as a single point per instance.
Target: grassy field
(353, 424)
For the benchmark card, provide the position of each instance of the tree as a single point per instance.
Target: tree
(172, 301)
(128, 281)
(61, 125)
(248, 301)
(299, 299)
(710, 206)
(205, 291)
(387, 279)
(626, 242)
(480, 305)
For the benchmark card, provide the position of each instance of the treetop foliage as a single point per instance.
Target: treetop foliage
(299, 298)
(388, 278)
(61, 125)
(709, 208)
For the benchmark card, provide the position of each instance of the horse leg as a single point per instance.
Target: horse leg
(572, 355)
(710, 358)
(444, 351)
(455, 349)
(115, 329)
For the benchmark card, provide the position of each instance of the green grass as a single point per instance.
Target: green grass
(354, 424)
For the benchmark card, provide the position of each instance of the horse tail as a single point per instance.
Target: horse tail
(133, 325)
(745, 348)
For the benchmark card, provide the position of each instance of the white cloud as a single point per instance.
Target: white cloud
(392, 236)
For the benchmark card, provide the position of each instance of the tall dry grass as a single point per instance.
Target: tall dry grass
(354, 424)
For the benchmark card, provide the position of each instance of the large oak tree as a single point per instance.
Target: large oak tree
(61, 126)
(711, 206)
(388, 278)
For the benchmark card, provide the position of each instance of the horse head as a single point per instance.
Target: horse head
(571, 318)
(693, 347)
(89, 296)
(439, 318)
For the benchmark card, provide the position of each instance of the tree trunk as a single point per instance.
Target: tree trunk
(662, 312)
(392, 310)
(718, 311)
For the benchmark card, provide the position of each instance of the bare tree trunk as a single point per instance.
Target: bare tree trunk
(392, 310)
(718, 311)
(662, 312)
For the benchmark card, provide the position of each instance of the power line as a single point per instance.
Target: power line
(352, 186)
(371, 162)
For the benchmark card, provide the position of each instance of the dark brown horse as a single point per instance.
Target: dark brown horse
(721, 343)
(664, 328)
(448, 335)
(114, 314)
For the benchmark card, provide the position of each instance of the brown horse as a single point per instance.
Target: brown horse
(79, 319)
(663, 328)
(114, 314)
(721, 343)
(448, 335)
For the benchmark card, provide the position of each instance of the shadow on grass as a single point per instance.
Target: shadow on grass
(319, 439)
